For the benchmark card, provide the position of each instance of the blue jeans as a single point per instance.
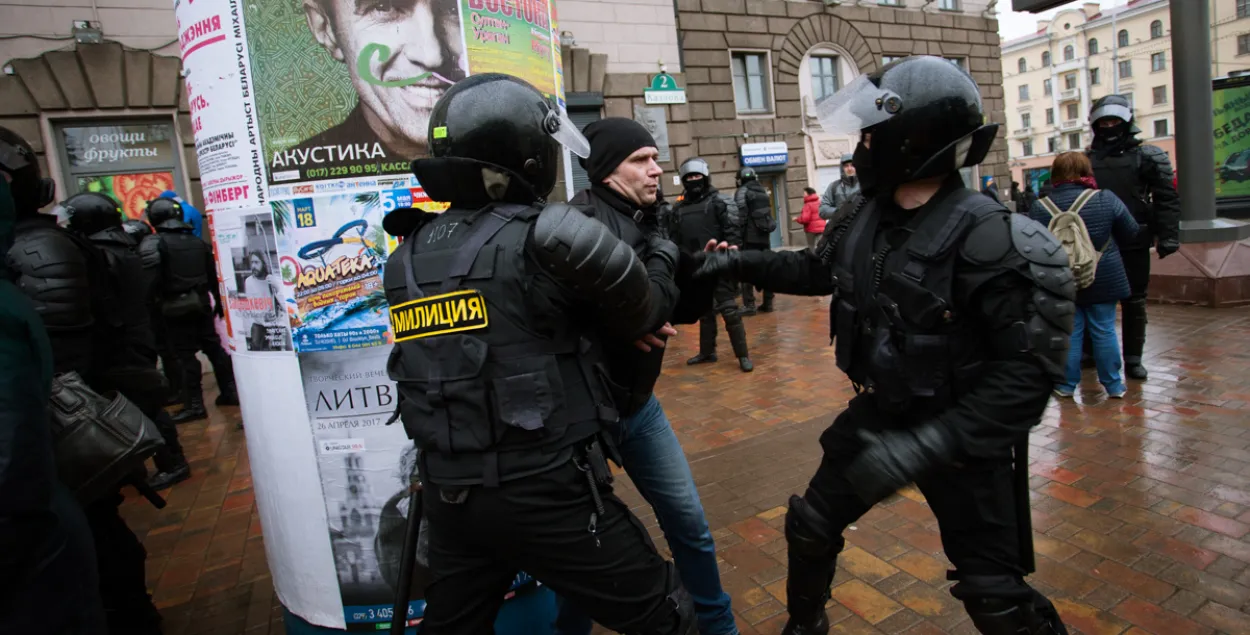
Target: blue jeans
(657, 465)
(1100, 320)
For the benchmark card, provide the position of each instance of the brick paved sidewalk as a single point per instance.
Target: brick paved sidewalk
(1141, 506)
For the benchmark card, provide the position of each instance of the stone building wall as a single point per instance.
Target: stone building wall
(788, 30)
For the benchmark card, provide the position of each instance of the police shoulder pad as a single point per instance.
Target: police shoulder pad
(1035, 243)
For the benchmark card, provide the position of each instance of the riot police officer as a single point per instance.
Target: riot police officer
(187, 277)
(705, 214)
(1141, 176)
(496, 307)
(67, 279)
(98, 218)
(951, 318)
(758, 224)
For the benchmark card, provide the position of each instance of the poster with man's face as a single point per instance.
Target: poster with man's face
(345, 88)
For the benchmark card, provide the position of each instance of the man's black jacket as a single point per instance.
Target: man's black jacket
(679, 298)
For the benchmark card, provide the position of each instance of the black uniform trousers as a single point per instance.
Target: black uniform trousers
(121, 560)
(975, 505)
(169, 363)
(723, 303)
(541, 524)
(189, 335)
(748, 290)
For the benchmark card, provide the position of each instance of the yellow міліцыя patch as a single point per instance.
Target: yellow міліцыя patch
(439, 315)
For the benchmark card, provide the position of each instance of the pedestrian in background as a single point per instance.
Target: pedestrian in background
(809, 218)
(1108, 222)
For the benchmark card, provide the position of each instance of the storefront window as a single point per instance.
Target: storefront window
(133, 162)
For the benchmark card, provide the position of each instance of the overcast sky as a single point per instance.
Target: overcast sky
(1012, 25)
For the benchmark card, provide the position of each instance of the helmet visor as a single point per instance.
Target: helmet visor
(1111, 110)
(62, 214)
(858, 105)
(565, 132)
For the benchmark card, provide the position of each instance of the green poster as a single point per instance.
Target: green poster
(1231, 127)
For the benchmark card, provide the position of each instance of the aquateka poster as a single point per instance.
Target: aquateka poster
(334, 249)
(1231, 123)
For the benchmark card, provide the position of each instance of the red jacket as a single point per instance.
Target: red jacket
(810, 218)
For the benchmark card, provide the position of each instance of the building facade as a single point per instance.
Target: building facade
(750, 73)
(1053, 76)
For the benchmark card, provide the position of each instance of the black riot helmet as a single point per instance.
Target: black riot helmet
(500, 122)
(747, 174)
(136, 229)
(695, 187)
(1111, 118)
(925, 117)
(90, 212)
(165, 213)
(30, 190)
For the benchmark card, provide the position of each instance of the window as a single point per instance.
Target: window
(1069, 81)
(890, 3)
(1243, 8)
(1129, 98)
(1243, 44)
(886, 59)
(957, 61)
(1068, 53)
(1093, 46)
(1024, 92)
(1073, 111)
(1045, 58)
(1161, 127)
(1050, 116)
(1050, 145)
(1126, 69)
(1158, 62)
(1021, 65)
(824, 76)
(1026, 120)
(750, 73)
(1026, 147)
(1122, 38)
(1046, 87)
(1074, 141)
(582, 117)
(1159, 94)
(1095, 77)
(101, 156)
(1156, 30)
(948, 5)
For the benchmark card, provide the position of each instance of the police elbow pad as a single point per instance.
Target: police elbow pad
(584, 254)
(1052, 296)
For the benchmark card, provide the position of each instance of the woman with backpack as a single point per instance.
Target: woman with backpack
(1089, 222)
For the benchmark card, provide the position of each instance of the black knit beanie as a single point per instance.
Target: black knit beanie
(612, 140)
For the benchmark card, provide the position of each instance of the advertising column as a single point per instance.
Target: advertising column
(307, 115)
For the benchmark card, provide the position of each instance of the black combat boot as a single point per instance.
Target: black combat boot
(228, 397)
(767, 305)
(192, 411)
(165, 478)
(1133, 323)
(818, 626)
(707, 341)
(738, 340)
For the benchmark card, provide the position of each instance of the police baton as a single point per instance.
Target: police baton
(408, 559)
(1024, 511)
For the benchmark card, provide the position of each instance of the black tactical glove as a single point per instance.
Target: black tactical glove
(1167, 247)
(892, 459)
(716, 263)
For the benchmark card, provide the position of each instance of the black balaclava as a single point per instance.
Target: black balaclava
(612, 140)
(863, 168)
(696, 188)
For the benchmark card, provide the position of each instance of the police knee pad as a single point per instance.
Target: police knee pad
(677, 617)
(808, 533)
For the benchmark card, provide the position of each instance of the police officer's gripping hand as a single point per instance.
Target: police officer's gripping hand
(1167, 247)
(893, 458)
(716, 263)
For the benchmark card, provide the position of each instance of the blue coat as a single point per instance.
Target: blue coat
(1107, 219)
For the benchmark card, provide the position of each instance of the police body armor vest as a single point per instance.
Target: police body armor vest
(184, 257)
(898, 334)
(130, 284)
(694, 225)
(483, 393)
(1121, 173)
